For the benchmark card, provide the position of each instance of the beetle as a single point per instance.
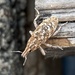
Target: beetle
(45, 30)
(41, 34)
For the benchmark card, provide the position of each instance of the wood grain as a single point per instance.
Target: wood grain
(65, 11)
(49, 4)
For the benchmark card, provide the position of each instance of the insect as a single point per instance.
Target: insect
(41, 34)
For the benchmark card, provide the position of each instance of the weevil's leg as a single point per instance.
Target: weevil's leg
(59, 28)
(42, 50)
(30, 32)
(49, 45)
(38, 14)
(25, 60)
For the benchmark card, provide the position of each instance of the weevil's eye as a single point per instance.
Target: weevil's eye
(54, 18)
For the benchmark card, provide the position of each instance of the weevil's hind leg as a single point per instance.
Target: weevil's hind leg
(42, 50)
(25, 60)
(38, 14)
(59, 28)
(49, 45)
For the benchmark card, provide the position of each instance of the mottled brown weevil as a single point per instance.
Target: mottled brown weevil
(41, 34)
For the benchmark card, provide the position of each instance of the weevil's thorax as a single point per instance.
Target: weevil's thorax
(46, 29)
(52, 21)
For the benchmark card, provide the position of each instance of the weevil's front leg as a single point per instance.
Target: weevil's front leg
(49, 45)
(59, 28)
(38, 14)
(42, 50)
(30, 32)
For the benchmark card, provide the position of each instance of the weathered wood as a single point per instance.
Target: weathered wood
(65, 11)
(49, 4)
(57, 11)
(60, 53)
(61, 16)
(67, 31)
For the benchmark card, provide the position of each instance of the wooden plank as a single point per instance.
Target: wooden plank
(70, 16)
(67, 31)
(57, 53)
(57, 11)
(54, 4)
(65, 11)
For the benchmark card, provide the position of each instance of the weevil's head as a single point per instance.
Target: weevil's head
(52, 21)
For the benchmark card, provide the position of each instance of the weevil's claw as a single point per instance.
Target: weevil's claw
(25, 60)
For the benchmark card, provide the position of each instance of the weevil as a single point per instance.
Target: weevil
(43, 31)
(41, 34)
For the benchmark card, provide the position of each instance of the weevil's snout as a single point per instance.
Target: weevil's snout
(25, 52)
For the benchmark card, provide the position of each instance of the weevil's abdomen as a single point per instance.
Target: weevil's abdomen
(52, 21)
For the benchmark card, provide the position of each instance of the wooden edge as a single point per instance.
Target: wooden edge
(57, 53)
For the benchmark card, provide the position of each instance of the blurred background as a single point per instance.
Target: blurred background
(16, 19)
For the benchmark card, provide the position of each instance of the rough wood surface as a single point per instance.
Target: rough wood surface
(70, 16)
(60, 53)
(65, 11)
(54, 4)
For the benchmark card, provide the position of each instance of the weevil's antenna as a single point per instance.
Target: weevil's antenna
(16, 51)
(25, 60)
(21, 53)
